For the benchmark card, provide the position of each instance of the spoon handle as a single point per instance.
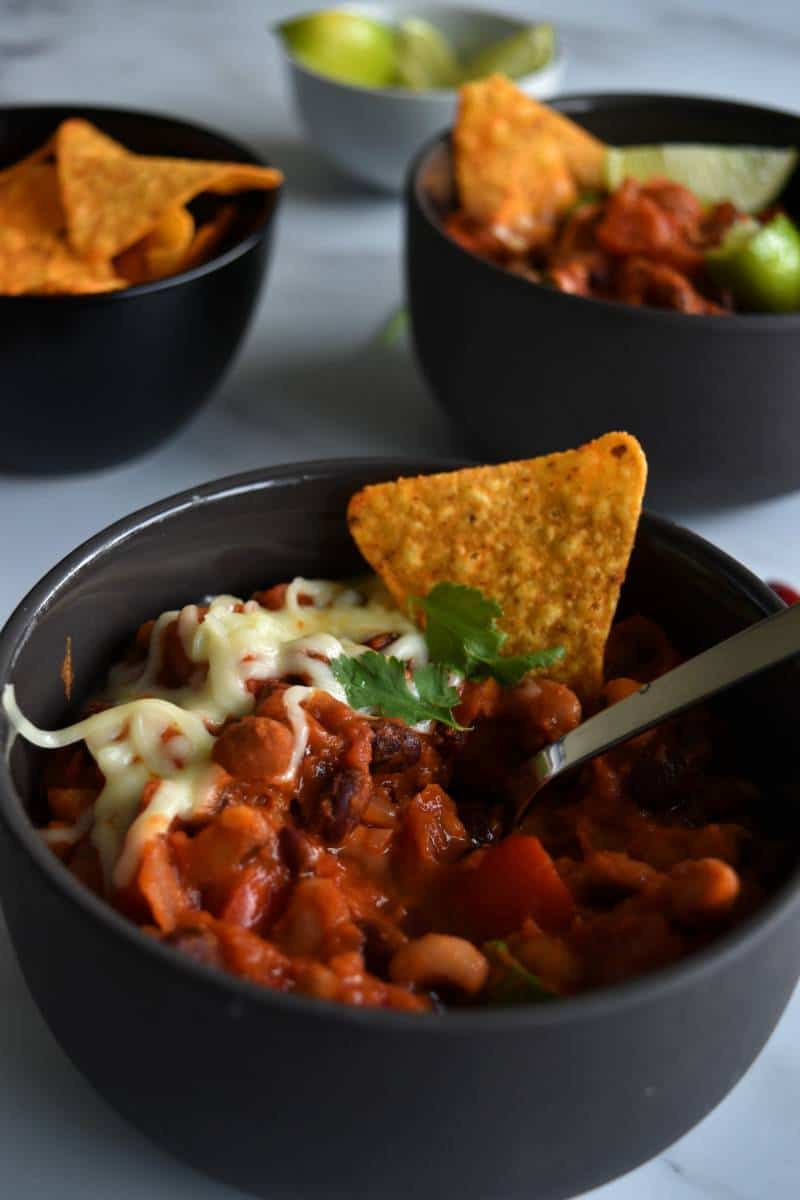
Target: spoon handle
(762, 645)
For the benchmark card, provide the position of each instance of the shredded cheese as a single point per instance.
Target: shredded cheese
(161, 739)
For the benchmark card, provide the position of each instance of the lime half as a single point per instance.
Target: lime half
(751, 177)
(344, 46)
(425, 58)
(515, 56)
(760, 265)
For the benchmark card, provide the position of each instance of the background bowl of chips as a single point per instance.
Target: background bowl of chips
(285, 1095)
(372, 133)
(524, 369)
(98, 376)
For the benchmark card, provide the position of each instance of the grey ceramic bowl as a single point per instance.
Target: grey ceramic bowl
(372, 133)
(524, 369)
(158, 349)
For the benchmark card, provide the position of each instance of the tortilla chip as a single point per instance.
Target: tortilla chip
(548, 538)
(506, 177)
(36, 156)
(161, 252)
(209, 237)
(517, 162)
(43, 264)
(112, 198)
(30, 199)
(34, 254)
(585, 154)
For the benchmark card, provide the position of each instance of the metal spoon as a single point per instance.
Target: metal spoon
(762, 645)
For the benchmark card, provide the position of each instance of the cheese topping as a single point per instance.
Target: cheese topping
(153, 743)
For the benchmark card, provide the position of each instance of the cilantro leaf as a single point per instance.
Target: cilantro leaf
(510, 982)
(435, 690)
(461, 631)
(371, 680)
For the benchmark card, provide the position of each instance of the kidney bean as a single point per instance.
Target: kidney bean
(395, 746)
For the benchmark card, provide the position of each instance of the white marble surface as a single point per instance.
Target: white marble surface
(308, 384)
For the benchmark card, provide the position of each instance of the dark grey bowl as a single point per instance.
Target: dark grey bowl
(89, 381)
(523, 369)
(292, 1097)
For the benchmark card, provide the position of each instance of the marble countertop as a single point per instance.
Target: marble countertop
(312, 382)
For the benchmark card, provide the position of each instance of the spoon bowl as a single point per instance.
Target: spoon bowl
(738, 658)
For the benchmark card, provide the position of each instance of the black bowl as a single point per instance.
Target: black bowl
(524, 369)
(293, 1097)
(89, 381)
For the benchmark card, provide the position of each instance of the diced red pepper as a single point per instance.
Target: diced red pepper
(512, 880)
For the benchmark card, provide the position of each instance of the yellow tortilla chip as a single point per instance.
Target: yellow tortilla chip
(585, 154)
(43, 264)
(506, 177)
(517, 162)
(36, 156)
(30, 199)
(209, 237)
(161, 252)
(113, 198)
(548, 538)
(34, 254)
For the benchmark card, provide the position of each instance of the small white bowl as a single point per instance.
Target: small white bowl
(373, 133)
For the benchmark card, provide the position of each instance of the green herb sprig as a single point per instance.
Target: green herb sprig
(462, 636)
(510, 982)
(371, 680)
(461, 632)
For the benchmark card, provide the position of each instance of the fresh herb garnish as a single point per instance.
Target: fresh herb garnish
(371, 680)
(510, 982)
(461, 635)
(461, 632)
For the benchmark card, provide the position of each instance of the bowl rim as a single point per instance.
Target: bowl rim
(572, 103)
(553, 66)
(594, 1005)
(230, 255)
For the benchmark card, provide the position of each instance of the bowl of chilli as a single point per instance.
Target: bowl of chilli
(134, 247)
(620, 314)
(271, 851)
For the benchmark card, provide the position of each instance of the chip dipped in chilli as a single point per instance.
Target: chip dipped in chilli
(548, 538)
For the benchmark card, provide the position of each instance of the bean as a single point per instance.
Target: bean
(702, 889)
(257, 748)
(438, 960)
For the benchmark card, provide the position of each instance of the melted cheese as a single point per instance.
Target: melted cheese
(161, 739)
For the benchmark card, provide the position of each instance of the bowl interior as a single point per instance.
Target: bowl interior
(467, 29)
(25, 128)
(627, 120)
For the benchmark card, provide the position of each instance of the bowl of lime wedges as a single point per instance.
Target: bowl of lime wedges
(372, 82)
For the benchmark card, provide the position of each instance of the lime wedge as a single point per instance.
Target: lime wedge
(344, 46)
(751, 177)
(425, 58)
(760, 265)
(515, 56)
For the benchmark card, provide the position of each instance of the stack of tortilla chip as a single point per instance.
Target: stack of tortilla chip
(83, 214)
(519, 165)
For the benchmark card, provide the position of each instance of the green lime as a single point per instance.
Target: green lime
(515, 56)
(343, 45)
(751, 177)
(760, 265)
(425, 58)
